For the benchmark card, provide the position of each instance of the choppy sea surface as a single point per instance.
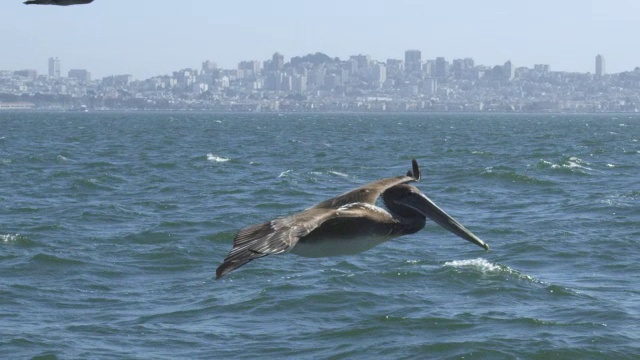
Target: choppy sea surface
(112, 226)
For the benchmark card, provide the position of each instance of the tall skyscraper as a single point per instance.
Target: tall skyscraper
(600, 66)
(509, 71)
(413, 61)
(277, 61)
(441, 68)
(54, 67)
(379, 73)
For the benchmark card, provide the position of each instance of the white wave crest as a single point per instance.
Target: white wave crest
(338, 173)
(8, 238)
(480, 264)
(216, 158)
(572, 163)
(575, 162)
(486, 267)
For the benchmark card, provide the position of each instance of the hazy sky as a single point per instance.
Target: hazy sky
(155, 37)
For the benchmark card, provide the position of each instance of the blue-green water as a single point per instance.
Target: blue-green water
(112, 226)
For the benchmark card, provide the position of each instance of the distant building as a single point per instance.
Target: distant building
(457, 67)
(413, 61)
(441, 68)
(509, 71)
(469, 63)
(463, 68)
(287, 83)
(430, 86)
(16, 105)
(379, 73)
(395, 66)
(427, 68)
(117, 80)
(29, 74)
(600, 66)
(360, 62)
(185, 77)
(299, 84)
(250, 68)
(542, 68)
(277, 61)
(209, 67)
(332, 81)
(80, 75)
(316, 76)
(344, 75)
(274, 81)
(54, 67)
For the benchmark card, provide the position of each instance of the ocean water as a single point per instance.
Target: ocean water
(112, 226)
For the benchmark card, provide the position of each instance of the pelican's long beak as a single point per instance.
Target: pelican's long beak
(429, 209)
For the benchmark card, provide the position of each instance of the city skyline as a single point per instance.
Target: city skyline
(318, 82)
(146, 38)
(411, 61)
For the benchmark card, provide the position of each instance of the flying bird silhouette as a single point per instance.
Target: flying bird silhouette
(347, 224)
(57, 2)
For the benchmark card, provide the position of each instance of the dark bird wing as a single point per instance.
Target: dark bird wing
(273, 237)
(282, 234)
(369, 193)
(57, 2)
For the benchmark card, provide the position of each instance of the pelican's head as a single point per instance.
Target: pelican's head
(408, 201)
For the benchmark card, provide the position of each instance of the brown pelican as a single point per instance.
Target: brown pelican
(347, 224)
(57, 2)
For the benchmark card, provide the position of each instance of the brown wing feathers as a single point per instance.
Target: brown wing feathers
(281, 234)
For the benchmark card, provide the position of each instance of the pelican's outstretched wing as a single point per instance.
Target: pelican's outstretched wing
(282, 234)
(273, 237)
(57, 2)
(369, 193)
